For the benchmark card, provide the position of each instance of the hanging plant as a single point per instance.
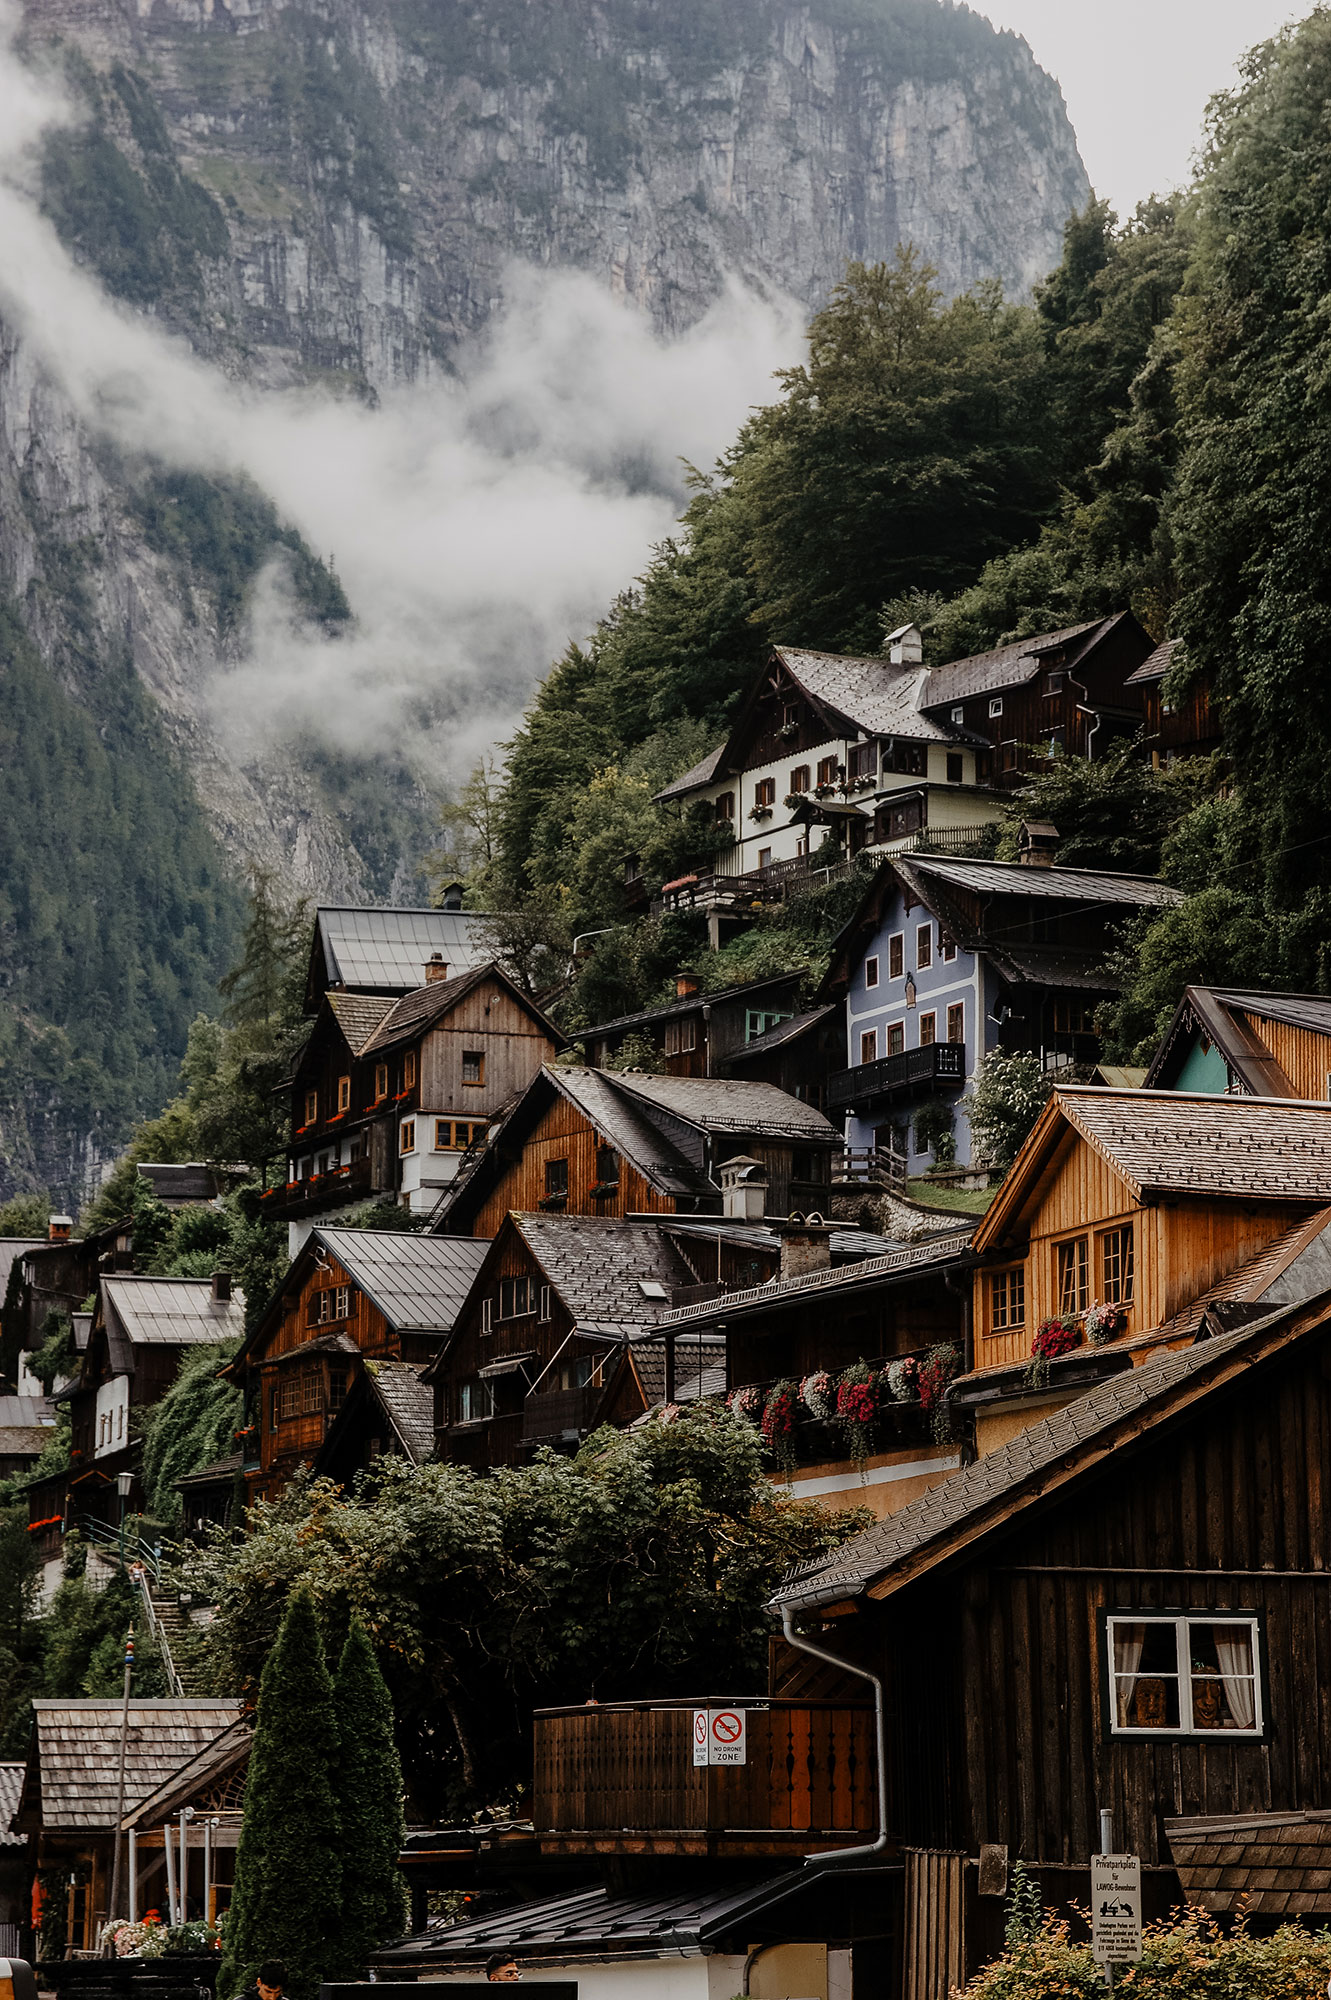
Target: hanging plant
(779, 1423)
(903, 1379)
(818, 1395)
(747, 1404)
(857, 1409)
(1102, 1322)
(937, 1370)
(1052, 1338)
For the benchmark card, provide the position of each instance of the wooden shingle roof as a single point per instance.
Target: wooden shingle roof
(1279, 1862)
(72, 1773)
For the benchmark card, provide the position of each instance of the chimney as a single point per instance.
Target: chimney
(1037, 843)
(743, 1189)
(451, 898)
(806, 1245)
(905, 646)
(222, 1288)
(686, 985)
(59, 1229)
(436, 969)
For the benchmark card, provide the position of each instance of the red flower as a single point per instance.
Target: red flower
(1055, 1337)
(855, 1402)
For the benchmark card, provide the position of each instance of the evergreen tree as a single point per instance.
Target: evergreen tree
(287, 1898)
(374, 1897)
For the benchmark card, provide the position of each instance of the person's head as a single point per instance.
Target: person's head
(271, 1979)
(501, 1969)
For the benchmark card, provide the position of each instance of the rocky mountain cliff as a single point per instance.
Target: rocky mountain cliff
(326, 193)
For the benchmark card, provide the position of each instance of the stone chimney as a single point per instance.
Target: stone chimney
(744, 1187)
(222, 1288)
(686, 985)
(452, 896)
(436, 969)
(905, 646)
(806, 1245)
(1037, 843)
(60, 1228)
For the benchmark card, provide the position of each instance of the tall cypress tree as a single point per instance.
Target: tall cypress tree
(287, 1899)
(374, 1896)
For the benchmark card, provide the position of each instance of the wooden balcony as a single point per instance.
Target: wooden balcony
(555, 1416)
(620, 1779)
(914, 1070)
(320, 1192)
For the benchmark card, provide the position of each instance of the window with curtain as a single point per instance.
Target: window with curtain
(1183, 1674)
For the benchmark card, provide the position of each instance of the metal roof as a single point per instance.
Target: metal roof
(417, 1282)
(1003, 666)
(1066, 885)
(572, 1924)
(12, 1248)
(78, 1746)
(171, 1312)
(692, 1003)
(386, 951)
(25, 1410)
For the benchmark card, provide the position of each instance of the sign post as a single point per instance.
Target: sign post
(720, 1736)
(1116, 1911)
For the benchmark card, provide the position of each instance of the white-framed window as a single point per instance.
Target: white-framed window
(924, 947)
(996, 704)
(958, 714)
(764, 857)
(406, 1138)
(487, 1315)
(896, 1038)
(1184, 1673)
(871, 979)
(1116, 1266)
(956, 1021)
(517, 1297)
(546, 1313)
(474, 1401)
(947, 949)
(1073, 1276)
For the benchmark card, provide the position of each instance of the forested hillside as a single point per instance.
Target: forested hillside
(1151, 432)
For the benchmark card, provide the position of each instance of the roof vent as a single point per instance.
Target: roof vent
(451, 899)
(1037, 843)
(905, 646)
(435, 969)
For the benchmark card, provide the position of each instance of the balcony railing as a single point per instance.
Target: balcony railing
(552, 1414)
(621, 1779)
(320, 1191)
(895, 1076)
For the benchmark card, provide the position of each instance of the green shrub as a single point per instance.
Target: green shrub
(1187, 1957)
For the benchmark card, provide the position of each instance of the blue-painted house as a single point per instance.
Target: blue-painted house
(947, 959)
(1241, 1044)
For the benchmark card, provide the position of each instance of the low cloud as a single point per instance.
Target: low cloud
(476, 523)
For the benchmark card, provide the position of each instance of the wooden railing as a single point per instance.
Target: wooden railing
(912, 1069)
(320, 1191)
(556, 1413)
(620, 1779)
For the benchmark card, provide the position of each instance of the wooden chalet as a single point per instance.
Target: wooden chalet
(597, 1142)
(390, 1094)
(1246, 1044)
(1188, 725)
(351, 1297)
(178, 1752)
(698, 1033)
(797, 1056)
(388, 1413)
(55, 1276)
(1118, 1610)
(1152, 1208)
(947, 960)
(539, 1354)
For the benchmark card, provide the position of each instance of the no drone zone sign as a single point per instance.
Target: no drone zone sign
(719, 1736)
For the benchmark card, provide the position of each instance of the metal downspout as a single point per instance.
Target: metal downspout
(878, 1846)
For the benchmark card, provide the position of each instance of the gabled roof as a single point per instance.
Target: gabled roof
(72, 1773)
(624, 1124)
(359, 1014)
(700, 1369)
(408, 1404)
(939, 1252)
(598, 1266)
(692, 1003)
(694, 780)
(1011, 665)
(386, 950)
(165, 1312)
(872, 695)
(1217, 1012)
(418, 1282)
(1156, 665)
(1039, 1463)
(726, 1104)
(210, 1764)
(428, 1004)
(1176, 1142)
(1092, 887)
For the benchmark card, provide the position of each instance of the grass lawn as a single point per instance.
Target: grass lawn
(966, 1201)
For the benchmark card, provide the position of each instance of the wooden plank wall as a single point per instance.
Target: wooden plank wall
(1303, 1054)
(1229, 1513)
(935, 1924)
(514, 1046)
(564, 1133)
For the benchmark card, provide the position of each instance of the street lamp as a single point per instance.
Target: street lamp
(124, 1481)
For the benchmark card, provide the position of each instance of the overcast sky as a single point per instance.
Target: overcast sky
(1136, 75)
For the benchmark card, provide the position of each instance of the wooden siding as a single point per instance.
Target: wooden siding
(489, 1020)
(1228, 1511)
(622, 1779)
(935, 1956)
(1303, 1054)
(286, 1442)
(1180, 1248)
(565, 1133)
(833, 1333)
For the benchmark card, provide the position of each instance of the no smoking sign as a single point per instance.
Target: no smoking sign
(720, 1736)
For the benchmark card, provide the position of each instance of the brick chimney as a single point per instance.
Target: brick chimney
(222, 1288)
(806, 1245)
(59, 1229)
(686, 985)
(436, 969)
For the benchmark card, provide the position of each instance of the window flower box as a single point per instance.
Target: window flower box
(1102, 1322)
(760, 813)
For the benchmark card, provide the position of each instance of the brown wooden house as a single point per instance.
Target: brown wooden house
(1246, 1044)
(352, 1296)
(699, 1033)
(1118, 1610)
(596, 1142)
(1153, 1205)
(1187, 725)
(391, 1092)
(798, 1056)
